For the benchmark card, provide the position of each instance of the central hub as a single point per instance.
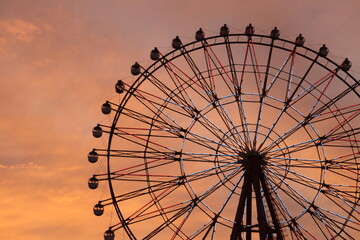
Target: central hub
(252, 160)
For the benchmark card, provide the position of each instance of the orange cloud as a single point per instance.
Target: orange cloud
(19, 30)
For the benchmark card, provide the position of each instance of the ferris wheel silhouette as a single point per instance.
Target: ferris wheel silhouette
(235, 136)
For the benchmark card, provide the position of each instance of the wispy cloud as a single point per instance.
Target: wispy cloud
(22, 166)
(19, 30)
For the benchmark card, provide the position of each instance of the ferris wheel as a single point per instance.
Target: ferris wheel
(235, 136)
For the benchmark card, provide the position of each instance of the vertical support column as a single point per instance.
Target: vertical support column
(267, 224)
(237, 227)
(248, 214)
(262, 220)
(271, 204)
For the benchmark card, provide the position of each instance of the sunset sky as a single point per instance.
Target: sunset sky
(59, 61)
